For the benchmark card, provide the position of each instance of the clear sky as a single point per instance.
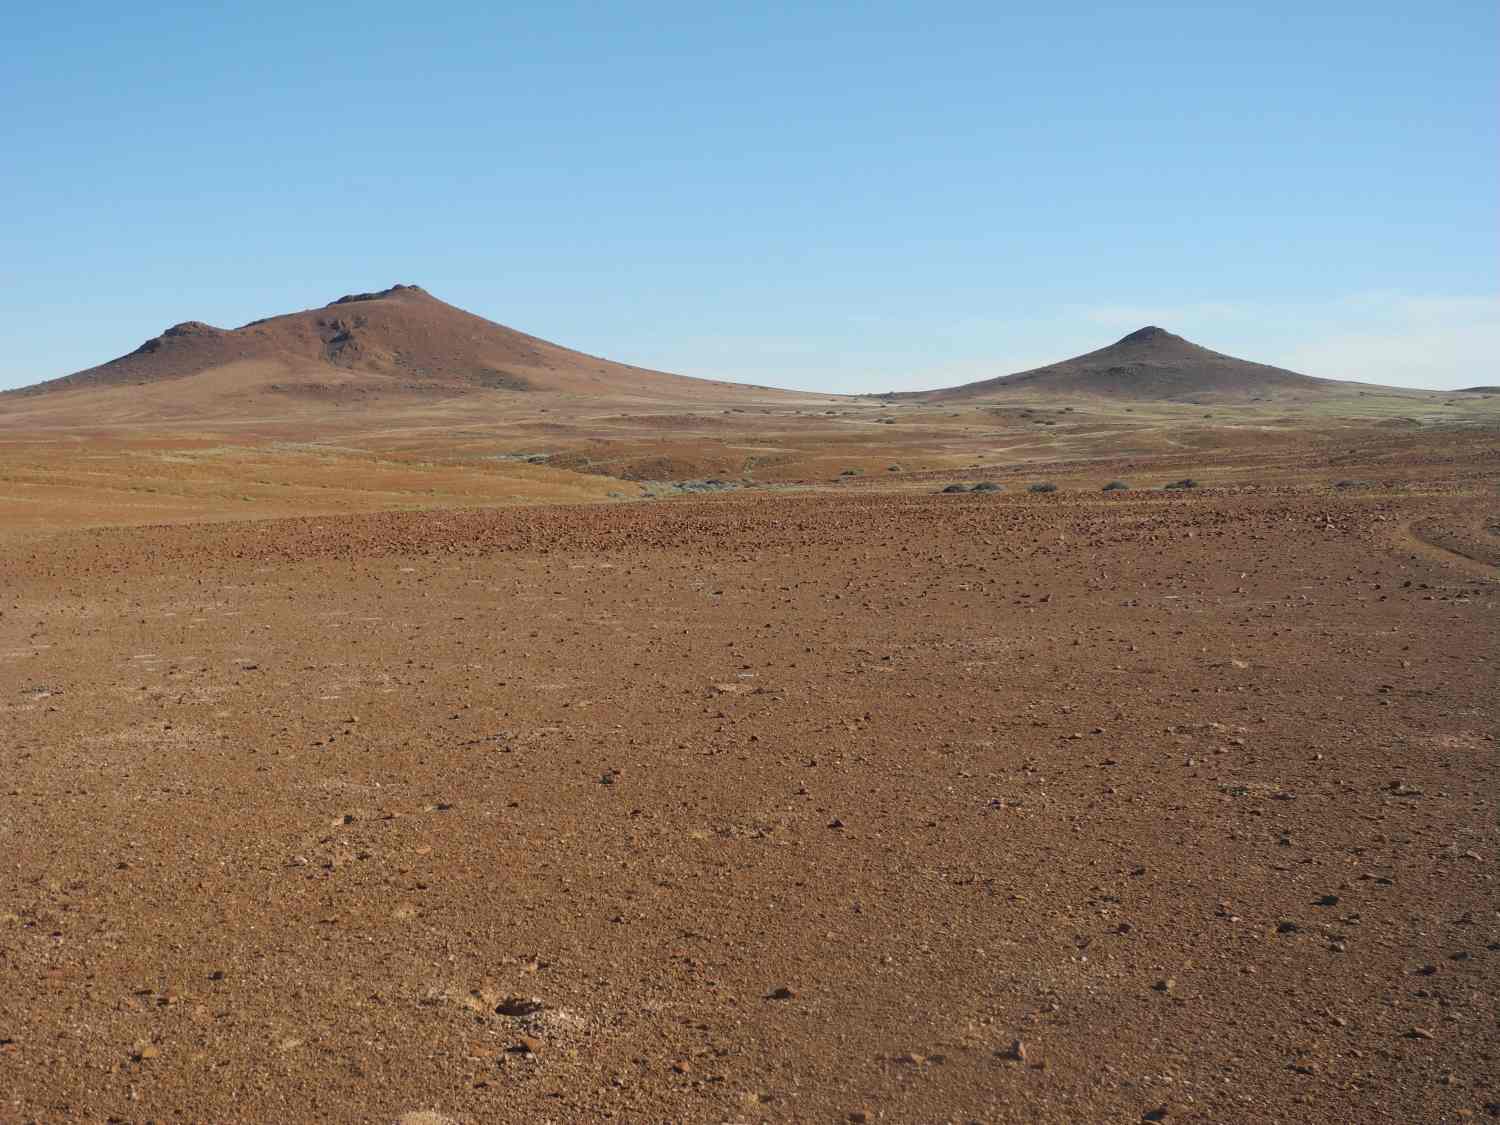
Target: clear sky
(844, 196)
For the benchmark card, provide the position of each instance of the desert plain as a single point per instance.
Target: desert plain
(569, 744)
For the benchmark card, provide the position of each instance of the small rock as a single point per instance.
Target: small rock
(1165, 985)
(1420, 1033)
(1016, 1052)
(1286, 926)
(519, 1006)
(782, 993)
(1327, 900)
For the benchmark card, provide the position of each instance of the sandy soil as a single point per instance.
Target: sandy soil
(863, 804)
(64, 466)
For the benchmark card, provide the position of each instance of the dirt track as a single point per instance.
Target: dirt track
(1191, 794)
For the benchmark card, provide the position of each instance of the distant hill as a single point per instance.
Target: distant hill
(1151, 364)
(401, 339)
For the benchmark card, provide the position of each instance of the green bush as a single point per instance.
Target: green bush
(1043, 486)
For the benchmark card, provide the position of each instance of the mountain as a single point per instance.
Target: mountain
(1151, 364)
(401, 340)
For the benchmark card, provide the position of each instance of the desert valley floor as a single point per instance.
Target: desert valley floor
(857, 803)
(405, 719)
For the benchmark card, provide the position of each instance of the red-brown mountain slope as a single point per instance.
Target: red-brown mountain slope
(403, 334)
(1152, 364)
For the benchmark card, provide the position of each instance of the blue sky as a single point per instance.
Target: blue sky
(832, 195)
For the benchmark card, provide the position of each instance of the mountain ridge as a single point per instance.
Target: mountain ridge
(403, 333)
(401, 342)
(1149, 364)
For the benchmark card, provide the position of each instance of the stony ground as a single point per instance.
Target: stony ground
(859, 807)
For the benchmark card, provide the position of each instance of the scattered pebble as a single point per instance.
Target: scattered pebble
(1016, 1052)
(519, 1006)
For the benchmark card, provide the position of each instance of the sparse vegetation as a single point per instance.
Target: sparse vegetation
(986, 486)
(1116, 486)
(956, 488)
(1185, 482)
(852, 473)
(1042, 486)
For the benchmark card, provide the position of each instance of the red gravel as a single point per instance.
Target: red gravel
(1005, 808)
